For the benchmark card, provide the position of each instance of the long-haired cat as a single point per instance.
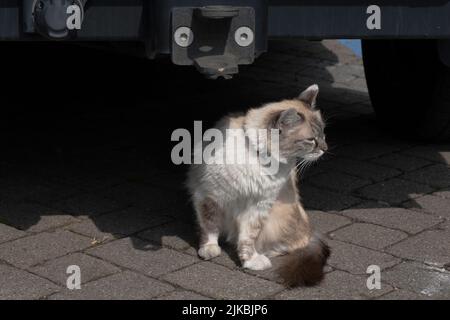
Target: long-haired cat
(258, 210)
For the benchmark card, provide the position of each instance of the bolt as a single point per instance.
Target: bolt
(244, 36)
(183, 37)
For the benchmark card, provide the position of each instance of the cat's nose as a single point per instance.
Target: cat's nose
(322, 145)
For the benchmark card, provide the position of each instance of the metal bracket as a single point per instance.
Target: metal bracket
(215, 39)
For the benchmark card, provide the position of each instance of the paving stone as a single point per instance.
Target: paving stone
(86, 205)
(444, 193)
(395, 191)
(397, 218)
(29, 188)
(337, 285)
(431, 204)
(362, 169)
(183, 295)
(123, 286)
(8, 233)
(16, 284)
(402, 162)
(356, 259)
(147, 197)
(33, 217)
(325, 222)
(401, 294)
(229, 257)
(432, 247)
(368, 235)
(339, 182)
(176, 235)
(437, 176)
(28, 251)
(436, 153)
(142, 256)
(91, 268)
(316, 198)
(223, 283)
(120, 171)
(366, 150)
(118, 224)
(421, 279)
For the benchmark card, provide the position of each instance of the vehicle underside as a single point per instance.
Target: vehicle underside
(402, 40)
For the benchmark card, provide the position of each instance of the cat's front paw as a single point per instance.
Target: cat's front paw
(209, 251)
(258, 262)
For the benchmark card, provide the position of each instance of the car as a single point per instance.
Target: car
(406, 47)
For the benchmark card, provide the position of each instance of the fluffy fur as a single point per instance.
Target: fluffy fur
(258, 210)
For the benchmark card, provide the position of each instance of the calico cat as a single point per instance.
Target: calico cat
(257, 210)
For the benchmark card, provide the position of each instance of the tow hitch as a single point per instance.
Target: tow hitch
(215, 39)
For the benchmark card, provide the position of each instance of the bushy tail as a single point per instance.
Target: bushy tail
(304, 266)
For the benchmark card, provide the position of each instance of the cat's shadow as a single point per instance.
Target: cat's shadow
(105, 132)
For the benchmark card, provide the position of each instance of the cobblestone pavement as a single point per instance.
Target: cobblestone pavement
(86, 179)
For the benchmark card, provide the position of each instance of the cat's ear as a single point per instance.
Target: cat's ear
(289, 118)
(309, 96)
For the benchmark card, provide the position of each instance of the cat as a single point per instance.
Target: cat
(261, 212)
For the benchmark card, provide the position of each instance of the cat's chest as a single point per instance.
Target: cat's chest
(260, 187)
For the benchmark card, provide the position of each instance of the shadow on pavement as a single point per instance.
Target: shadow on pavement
(87, 133)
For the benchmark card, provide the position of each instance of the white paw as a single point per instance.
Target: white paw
(209, 251)
(258, 262)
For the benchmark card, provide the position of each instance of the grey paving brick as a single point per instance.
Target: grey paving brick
(437, 175)
(325, 222)
(337, 285)
(366, 150)
(421, 279)
(33, 216)
(122, 286)
(91, 268)
(223, 283)
(444, 193)
(316, 198)
(28, 251)
(8, 233)
(142, 256)
(339, 182)
(401, 294)
(118, 224)
(429, 246)
(177, 235)
(402, 162)
(146, 197)
(29, 188)
(362, 169)
(356, 259)
(395, 191)
(16, 284)
(436, 153)
(397, 218)
(183, 295)
(428, 203)
(368, 235)
(86, 205)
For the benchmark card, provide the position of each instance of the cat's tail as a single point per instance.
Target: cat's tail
(304, 266)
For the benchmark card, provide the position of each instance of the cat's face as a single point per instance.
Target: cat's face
(301, 128)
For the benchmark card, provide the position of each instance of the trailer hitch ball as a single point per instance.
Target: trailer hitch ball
(51, 17)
